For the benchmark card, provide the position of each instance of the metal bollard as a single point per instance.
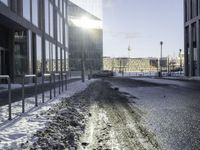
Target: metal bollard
(23, 90)
(54, 84)
(50, 86)
(23, 99)
(7, 77)
(66, 81)
(9, 99)
(59, 83)
(36, 98)
(42, 88)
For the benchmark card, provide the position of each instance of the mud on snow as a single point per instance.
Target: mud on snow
(99, 118)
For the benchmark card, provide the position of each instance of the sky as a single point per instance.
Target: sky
(143, 24)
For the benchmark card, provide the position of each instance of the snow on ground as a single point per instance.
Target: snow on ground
(170, 109)
(23, 126)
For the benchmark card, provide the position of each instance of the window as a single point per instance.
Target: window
(67, 61)
(20, 53)
(26, 9)
(58, 27)
(63, 60)
(56, 2)
(65, 10)
(47, 16)
(35, 12)
(4, 1)
(59, 59)
(48, 58)
(61, 8)
(66, 36)
(61, 30)
(51, 20)
(38, 54)
(54, 57)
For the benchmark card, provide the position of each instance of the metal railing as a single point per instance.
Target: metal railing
(23, 91)
(52, 84)
(64, 75)
(54, 80)
(7, 77)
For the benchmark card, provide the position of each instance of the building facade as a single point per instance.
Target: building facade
(33, 37)
(124, 64)
(85, 39)
(192, 37)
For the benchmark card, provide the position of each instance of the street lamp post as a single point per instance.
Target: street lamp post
(129, 58)
(161, 44)
(180, 60)
(83, 57)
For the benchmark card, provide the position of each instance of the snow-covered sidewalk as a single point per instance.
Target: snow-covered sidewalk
(23, 126)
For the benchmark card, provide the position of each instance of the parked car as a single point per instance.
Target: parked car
(104, 73)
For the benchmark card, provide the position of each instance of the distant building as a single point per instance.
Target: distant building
(85, 37)
(124, 64)
(192, 37)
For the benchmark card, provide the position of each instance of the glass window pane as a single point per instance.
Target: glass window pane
(47, 60)
(39, 54)
(47, 16)
(56, 2)
(5, 2)
(51, 20)
(20, 53)
(67, 61)
(58, 27)
(66, 36)
(63, 60)
(26, 9)
(59, 59)
(54, 57)
(61, 8)
(35, 12)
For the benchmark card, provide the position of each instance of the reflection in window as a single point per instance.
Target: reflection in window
(67, 61)
(58, 27)
(51, 19)
(56, 1)
(39, 54)
(47, 16)
(61, 10)
(63, 60)
(35, 12)
(47, 60)
(65, 10)
(59, 59)
(20, 53)
(54, 57)
(4, 1)
(26, 9)
(66, 36)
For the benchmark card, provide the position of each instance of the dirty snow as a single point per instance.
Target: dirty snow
(23, 126)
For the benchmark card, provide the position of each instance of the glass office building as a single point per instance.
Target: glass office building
(192, 37)
(85, 35)
(94, 7)
(33, 37)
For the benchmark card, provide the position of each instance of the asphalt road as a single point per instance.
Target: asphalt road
(171, 109)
